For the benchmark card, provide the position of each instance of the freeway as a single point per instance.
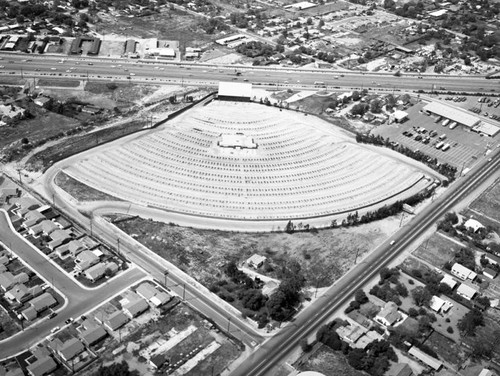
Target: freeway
(78, 299)
(275, 350)
(42, 66)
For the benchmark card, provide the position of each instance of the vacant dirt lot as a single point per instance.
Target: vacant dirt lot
(489, 202)
(324, 256)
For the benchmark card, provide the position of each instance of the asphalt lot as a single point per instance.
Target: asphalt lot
(472, 102)
(466, 146)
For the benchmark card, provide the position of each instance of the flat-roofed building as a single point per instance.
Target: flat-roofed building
(453, 114)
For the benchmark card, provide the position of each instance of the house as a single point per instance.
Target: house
(27, 203)
(152, 294)
(350, 333)
(63, 223)
(399, 369)
(96, 272)
(256, 261)
(448, 280)
(473, 225)
(85, 260)
(42, 101)
(490, 273)
(11, 112)
(20, 293)
(436, 303)
(492, 259)
(75, 247)
(368, 338)
(59, 237)
(42, 302)
(462, 272)
(32, 218)
(4, 260)
(70, 349)
(389, 315)
(93, 335)
(486, 372)
(6, 281)
(146, 290)
(160, 299)
(42, 366)
(116, 320)
(426, 359)
(29, 313)
(157, 361)
(135, 308)
(21, 278)
(45, 227)
(466, 291)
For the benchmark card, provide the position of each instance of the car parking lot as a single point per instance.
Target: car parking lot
(422, 132)
(488, 107)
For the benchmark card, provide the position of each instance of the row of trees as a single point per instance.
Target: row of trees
(445, 169)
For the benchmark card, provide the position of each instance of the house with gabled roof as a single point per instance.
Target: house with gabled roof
(116, 320)
(93, 335)
(462, 272)
(20, 293)
(85, 260)
(96, 272)
(6, 281)
(32, 218)
(70, 349)
(389, 314)
(42, 366)
(135, 308)
(42, 302)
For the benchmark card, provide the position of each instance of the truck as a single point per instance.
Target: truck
(453, 125)
(445, 147)
(439, 144)
(445, 122)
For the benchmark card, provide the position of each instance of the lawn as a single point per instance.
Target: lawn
(437, 250)
(329, 363)
(80, 191)
(447, 349)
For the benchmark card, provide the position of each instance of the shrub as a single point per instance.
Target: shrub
(449, 329)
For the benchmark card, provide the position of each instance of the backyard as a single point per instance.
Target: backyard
(437, 250)
(489, 202)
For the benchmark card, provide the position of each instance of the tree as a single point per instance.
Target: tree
(290, 228)
(360, 297)
(470, 321)
(421, 296)
(329, 337)
(116, 369)
(305, 345)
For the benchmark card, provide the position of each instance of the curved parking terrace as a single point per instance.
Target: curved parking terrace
(245, 161)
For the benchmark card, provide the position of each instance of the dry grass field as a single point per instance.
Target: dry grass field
(489, 202)
(437, 250)
(202, 253)
(79, 191)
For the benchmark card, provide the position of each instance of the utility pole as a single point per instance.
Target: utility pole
(228, 323)
(184, 292)
(357, 252)
(165, 275)
(118, 245)
(402, 217)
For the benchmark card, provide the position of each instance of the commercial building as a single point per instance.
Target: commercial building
(461, 117)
